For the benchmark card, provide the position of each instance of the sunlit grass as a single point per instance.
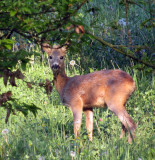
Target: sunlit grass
(50, 134)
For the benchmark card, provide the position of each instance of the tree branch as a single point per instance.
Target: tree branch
(30, 14)
(80, 6)
(64, 20)
(129, 53)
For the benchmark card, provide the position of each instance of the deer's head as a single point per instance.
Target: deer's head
(56, 56)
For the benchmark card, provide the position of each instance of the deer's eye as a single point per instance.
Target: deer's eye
(50, 57)
(61, 57)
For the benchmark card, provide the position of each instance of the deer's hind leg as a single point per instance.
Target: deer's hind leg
(129, 124)
(123, 132)
(126, 121)
(89, 122)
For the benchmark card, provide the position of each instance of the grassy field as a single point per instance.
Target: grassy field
(50, 134)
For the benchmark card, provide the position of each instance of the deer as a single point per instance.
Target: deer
(82, 93)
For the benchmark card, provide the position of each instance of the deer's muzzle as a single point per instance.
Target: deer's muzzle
(55, 66)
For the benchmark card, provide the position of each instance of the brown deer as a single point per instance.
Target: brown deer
(83, 92)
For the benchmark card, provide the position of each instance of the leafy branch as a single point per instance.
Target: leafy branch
(6, 101)
(121, 50)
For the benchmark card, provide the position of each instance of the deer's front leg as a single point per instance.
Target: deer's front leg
(77, 114)
(77, 123)
(89, 122)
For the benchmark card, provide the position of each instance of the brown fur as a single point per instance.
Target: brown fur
(81, 93)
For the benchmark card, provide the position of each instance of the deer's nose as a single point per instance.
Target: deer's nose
(55, 66)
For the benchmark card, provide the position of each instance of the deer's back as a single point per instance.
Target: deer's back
(98, 88)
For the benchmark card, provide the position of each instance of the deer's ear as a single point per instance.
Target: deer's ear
(46, 47)
(63, 49)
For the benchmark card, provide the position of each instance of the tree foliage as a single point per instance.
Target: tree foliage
(37, 20)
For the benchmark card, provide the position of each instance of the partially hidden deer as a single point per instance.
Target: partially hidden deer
(82, 93)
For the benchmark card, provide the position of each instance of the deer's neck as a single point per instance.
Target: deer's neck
(60, 79)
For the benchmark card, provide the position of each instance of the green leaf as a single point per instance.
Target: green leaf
(23, 65)
(91, 70)
(12, 13)
(8, 46)
(27, 10)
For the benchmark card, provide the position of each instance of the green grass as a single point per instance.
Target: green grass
(50, 134)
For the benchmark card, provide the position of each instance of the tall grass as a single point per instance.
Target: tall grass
(50, 134)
